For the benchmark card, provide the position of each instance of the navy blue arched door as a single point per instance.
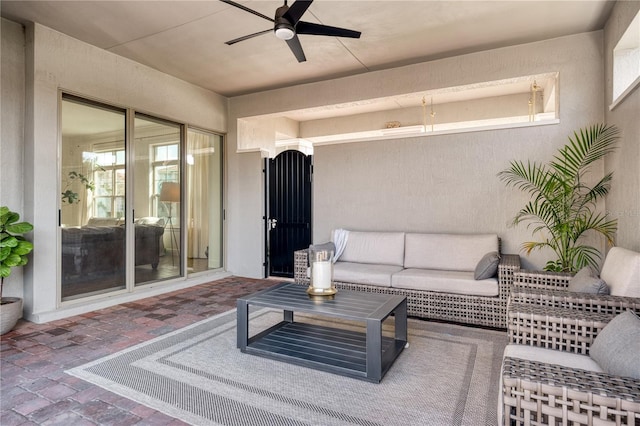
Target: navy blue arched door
(288, 219)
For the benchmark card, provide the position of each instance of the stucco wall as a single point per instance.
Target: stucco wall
(56, 62)
(443, 183)
(11, 131)
(623, 201)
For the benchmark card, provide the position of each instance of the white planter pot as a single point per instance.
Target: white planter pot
(10, 313)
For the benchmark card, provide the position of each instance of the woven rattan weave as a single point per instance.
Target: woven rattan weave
(554, 328)
(488, 311)
(536, 393)
(550, 289)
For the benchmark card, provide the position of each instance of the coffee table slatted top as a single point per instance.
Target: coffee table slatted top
(348, 305)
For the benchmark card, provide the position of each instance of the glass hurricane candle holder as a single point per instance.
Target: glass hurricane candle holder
(321, 273)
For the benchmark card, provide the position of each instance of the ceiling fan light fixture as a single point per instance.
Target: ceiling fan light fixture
(284, 32)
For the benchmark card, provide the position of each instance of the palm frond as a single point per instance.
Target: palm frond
(586, 147)
(582, 256)
(530, 177)
(530, 246)
(598, 223)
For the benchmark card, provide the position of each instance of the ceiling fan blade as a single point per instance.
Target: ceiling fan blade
(235, 40)
(325, 30)
(296, 48)
(296, 10)
(246, 9)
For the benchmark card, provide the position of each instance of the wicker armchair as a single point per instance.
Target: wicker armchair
(537, 393)
(551, 289)
(621, 271)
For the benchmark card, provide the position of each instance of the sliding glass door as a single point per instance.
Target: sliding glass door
(204, 200)
(129, 214)
(92, 198)
(157, 199)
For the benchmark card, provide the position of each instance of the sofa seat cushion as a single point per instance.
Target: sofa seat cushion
(458, 282)
(363, 273)
(451, 252)
(383, 248)
(552, 356)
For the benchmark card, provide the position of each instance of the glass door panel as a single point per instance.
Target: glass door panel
(91, 211)
(204, 201)
(157, 199)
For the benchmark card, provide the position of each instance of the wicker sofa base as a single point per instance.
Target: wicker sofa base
(485, 311)
(489, 311)
(536, 393)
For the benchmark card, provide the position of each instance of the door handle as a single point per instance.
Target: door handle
(273, 223)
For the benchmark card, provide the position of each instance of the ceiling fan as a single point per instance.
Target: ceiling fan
(287, 25)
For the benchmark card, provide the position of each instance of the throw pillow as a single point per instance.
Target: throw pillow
(617, 346)
(488, 266)
(587, 281)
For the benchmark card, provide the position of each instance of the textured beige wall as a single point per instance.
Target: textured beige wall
(623, 201)
(11, 128)
(444, 183)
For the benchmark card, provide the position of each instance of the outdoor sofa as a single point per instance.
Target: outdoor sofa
(436, 272)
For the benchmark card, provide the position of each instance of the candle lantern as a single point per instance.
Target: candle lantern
(321, 260)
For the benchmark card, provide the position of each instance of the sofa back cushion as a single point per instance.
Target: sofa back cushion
(451, 252)
(105, 221)
(621, 272)
(149, 220)
(385, 248)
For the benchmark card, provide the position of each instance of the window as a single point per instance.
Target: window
(165, 165)
(109, 180)
(626, 62)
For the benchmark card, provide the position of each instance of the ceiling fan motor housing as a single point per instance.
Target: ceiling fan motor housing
(283, 28)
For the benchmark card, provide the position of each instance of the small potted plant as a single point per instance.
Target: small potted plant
(14, 249)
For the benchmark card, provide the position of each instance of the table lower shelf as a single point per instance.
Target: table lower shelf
(328, 349)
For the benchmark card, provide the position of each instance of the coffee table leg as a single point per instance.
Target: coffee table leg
(288, 316)
(374, 349)
(400, 314)
(242, 323)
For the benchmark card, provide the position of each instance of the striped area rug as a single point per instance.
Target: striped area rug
(447, 376)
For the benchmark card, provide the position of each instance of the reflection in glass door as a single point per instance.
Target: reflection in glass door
(157, 199)
(92, 197)
(204, 201)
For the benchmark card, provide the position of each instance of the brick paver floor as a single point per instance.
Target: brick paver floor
(35, 390)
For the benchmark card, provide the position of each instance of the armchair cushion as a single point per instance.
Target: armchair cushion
(552, 356)
(488, 266)
(617, 346)
(621, 271)
(587, 281)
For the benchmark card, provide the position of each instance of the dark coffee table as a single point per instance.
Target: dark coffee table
(363, 355)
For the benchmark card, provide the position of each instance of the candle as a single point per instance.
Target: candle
(321, 274)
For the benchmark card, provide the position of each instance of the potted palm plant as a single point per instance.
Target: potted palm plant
(14, 249)
(563, 206)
